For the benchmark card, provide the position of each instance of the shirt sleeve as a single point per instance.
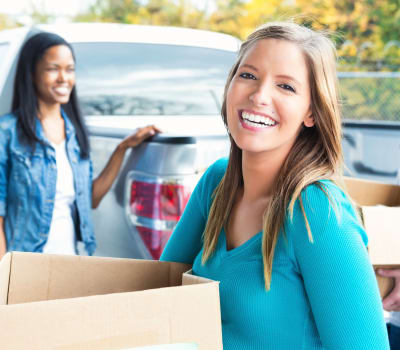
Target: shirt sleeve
(186, 240)
(338, 276)
(4, 167)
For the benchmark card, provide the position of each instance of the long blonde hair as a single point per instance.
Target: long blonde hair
(315, 155)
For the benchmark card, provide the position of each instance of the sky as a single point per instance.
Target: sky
(56, 7)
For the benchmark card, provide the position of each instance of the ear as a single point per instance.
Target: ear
(309, 121)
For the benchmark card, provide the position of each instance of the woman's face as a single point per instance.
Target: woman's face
(268, 99)
(54, 77)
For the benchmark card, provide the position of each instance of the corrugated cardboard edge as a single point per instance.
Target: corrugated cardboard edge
(188, 278)
(370, 193)
(156, 316)
(5, 272)
(38, 277)
(176, 271)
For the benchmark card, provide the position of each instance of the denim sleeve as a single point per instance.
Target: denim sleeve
(338, 276)
(4, 166)
(90, 177)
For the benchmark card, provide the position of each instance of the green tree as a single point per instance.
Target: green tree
(365, 27)
(117, 11)
(6, 22)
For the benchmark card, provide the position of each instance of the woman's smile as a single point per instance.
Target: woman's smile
(256, 121)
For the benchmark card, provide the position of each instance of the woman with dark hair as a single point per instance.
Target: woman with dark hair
(46, 187)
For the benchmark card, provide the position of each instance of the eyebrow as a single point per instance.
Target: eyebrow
(281, 76)
(249, 66)
(289, 77)
(57, 65)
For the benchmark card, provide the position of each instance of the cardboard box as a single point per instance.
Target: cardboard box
(379, 206)
(71, 302)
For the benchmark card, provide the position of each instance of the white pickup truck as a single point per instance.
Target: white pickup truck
(130, 76)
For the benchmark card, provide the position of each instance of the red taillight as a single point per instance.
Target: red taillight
(154, 240)
(158, 201)
(155, 206)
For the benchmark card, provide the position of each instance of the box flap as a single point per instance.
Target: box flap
(188, 278)
(369, 193)
(383, 229)
(185, 314)
(181, 346)
(37, 277)
(5, 268)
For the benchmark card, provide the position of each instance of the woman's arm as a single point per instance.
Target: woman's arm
(3, 245)
(338, 276)
(186, 240)
(103, 182)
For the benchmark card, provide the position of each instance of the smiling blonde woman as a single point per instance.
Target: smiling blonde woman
(270, 223)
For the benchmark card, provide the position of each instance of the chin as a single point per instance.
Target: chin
(63, 101)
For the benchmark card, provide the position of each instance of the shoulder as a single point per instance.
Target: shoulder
(214, 173)
(218, 168)
(324, 194)
(8, 128)
(209, 181)
(8, 121)
(327, 207)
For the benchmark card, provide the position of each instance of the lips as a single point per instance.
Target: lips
(62, 90)
(256, 121)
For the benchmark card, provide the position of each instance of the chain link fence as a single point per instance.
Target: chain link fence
(370, 96)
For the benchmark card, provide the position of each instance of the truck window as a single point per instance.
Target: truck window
(150, 79)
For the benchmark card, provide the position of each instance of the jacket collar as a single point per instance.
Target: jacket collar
(69, 128)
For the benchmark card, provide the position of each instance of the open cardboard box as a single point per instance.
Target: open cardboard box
(69, 302)
(379, 206)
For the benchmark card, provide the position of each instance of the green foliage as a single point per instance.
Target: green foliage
(117, 11)
(366, 31)
(6, 22)
(370, 98)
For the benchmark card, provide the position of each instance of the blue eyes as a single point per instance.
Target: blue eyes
(286, 87)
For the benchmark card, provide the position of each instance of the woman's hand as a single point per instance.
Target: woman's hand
(139, 136)
(392, 301)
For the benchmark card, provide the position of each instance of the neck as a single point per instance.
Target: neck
(260, 171)
(49, 111)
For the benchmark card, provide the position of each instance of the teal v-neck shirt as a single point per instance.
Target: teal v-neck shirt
(323, 295)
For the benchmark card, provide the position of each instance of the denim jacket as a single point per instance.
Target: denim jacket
(28, 187)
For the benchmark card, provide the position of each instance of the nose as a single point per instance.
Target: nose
(62, 76)
(261, 95)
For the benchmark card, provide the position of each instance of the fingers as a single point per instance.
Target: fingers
(140, 135)
(392, 301)
(395, 273)
(147, 131)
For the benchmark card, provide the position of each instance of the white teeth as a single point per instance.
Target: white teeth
(256, 120)
(62, 90)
